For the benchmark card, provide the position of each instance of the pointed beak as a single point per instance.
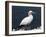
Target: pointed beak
(33, 13)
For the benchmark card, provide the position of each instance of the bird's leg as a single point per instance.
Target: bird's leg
(23, 27)
(26, 27)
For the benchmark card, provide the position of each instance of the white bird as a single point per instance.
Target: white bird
(27, 20)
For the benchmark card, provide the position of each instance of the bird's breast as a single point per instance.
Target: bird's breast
(27, 20)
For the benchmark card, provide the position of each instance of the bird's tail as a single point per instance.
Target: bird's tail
(20, 27)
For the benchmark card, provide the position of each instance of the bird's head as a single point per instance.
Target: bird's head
(30, 12)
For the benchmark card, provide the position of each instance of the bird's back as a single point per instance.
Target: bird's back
(27, 20)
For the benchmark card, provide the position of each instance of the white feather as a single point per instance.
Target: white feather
(27, 20)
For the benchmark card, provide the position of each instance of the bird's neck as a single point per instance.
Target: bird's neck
(30, 15)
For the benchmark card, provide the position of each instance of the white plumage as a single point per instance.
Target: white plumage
(28, 19)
